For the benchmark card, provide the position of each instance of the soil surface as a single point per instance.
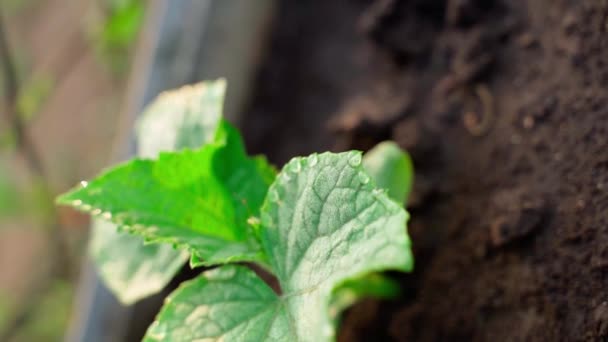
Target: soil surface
(504, 108)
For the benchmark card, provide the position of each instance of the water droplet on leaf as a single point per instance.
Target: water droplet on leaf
(363, 178)
(355, 160)
(254, 221)
(296, 166)
(274, 195)
(313, 160)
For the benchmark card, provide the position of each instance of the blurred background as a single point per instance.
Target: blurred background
(63, 72)
(74, 75)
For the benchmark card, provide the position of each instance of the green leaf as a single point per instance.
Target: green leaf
(182, 200)
(323, 223)
(184, 118)
(129, 268)
(226, 304)
(326, 223)
(391, 168)
(371, 285)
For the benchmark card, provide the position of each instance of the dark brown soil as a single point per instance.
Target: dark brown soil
(504, 108)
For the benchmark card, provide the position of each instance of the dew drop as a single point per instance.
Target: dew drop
(77, 203)
(274, 195)
(96, 212)
(328, 331)
(84, 184)
(313, 160)
(296, 166)
(107, 215)
(254, 221)
(355, 160)
(363, 178)
(85, 207)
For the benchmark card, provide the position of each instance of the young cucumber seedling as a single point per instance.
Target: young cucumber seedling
(323, 226)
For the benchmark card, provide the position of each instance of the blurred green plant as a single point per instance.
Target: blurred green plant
(8, 193)
(51, 315)
(14, 200)
(5, 309)
(39, 310)
(118, 30)
(7, 139)
(16, 6)
(22, 199)
(34, 92)
(24, 92)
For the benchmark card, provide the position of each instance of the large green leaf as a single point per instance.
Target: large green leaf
(230, 303)
(184, 118)
(323, 223)
(182, 199)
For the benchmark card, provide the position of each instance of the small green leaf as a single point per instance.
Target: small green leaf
(391, 168)
(371, 285)
(184, 118)
(323, 223)
(129, 268)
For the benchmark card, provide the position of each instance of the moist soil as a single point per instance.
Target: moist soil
(503, 106)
